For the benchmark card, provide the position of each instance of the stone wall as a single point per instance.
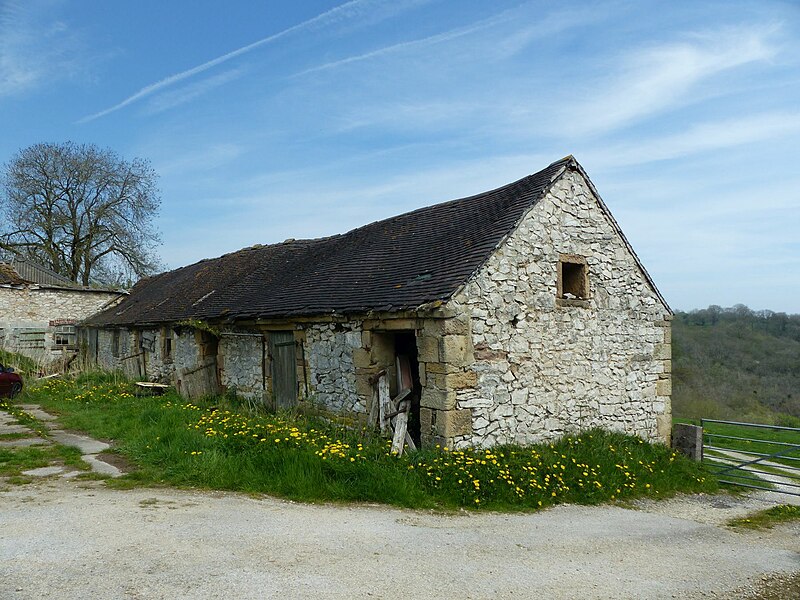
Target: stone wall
(330, 354)
(241, 364)
(141, 354)
(543, 366)
(34, 308)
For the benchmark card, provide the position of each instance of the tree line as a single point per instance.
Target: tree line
(737, 363)
(774, 323)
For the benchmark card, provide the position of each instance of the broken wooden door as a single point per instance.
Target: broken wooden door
(284, 368)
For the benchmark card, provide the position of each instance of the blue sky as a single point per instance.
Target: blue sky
(271, 120)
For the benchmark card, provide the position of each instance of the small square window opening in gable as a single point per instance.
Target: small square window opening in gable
(573, 277)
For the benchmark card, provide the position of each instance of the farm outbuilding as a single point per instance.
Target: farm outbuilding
(514, 315)
(40, 309)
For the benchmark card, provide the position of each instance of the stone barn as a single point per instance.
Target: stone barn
(515, 315)
(40, 309)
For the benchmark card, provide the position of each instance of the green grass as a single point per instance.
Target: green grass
(210, 445)
(766, 519)
(21, 363)
(13, 461)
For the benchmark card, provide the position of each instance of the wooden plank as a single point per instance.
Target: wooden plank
(384, 402)
(400, 429)
(372, 419)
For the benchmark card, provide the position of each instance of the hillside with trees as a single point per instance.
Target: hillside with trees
(736, 363)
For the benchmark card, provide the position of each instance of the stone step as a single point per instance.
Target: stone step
(83, 443)
(100, 466)
(36, 412)
(24, 442)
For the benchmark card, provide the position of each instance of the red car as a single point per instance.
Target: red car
(10, 382)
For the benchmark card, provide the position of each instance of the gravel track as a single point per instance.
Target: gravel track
(71, 539)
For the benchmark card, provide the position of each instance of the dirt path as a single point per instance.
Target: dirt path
(69, 539)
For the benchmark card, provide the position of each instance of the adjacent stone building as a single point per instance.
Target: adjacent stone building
(515, 315)
(39, 309)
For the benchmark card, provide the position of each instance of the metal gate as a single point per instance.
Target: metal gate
(762, 457)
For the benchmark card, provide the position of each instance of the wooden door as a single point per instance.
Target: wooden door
(284, 368)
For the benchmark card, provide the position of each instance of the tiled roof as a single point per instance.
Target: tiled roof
(395, 264)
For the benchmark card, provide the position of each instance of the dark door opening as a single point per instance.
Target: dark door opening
(405, 348)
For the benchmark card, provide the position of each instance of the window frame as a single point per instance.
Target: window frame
(582, 301)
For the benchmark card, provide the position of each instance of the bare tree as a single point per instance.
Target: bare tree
(82, 211)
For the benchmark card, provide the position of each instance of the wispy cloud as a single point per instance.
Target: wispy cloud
(501, 46)
(204, 158)
(663, 77)
(172, 98)
(700, 138)
(35, 47)
(409, 45)
(353, 9)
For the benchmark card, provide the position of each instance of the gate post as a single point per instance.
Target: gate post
(688, 439)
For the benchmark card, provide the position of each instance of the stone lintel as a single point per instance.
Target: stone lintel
(392, 324)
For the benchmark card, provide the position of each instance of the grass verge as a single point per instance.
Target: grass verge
(13, 461)
(210, 445)
(767, 519)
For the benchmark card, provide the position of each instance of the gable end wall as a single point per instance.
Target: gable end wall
(544, 369)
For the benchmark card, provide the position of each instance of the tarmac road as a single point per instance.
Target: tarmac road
(69, 539)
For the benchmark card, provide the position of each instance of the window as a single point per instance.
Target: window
(64, 336)
(573, 278)
(115, 344)
(166, 347)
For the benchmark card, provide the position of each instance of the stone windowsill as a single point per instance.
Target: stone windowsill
(565, 302)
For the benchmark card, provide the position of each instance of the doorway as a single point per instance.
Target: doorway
(283, 362)
(407, 366)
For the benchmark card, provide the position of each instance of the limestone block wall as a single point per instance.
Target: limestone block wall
(34, 308)
(115, 355)
(543, 366)
(330, 355)
(140, 352)
(241, 363)
(158, 367)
